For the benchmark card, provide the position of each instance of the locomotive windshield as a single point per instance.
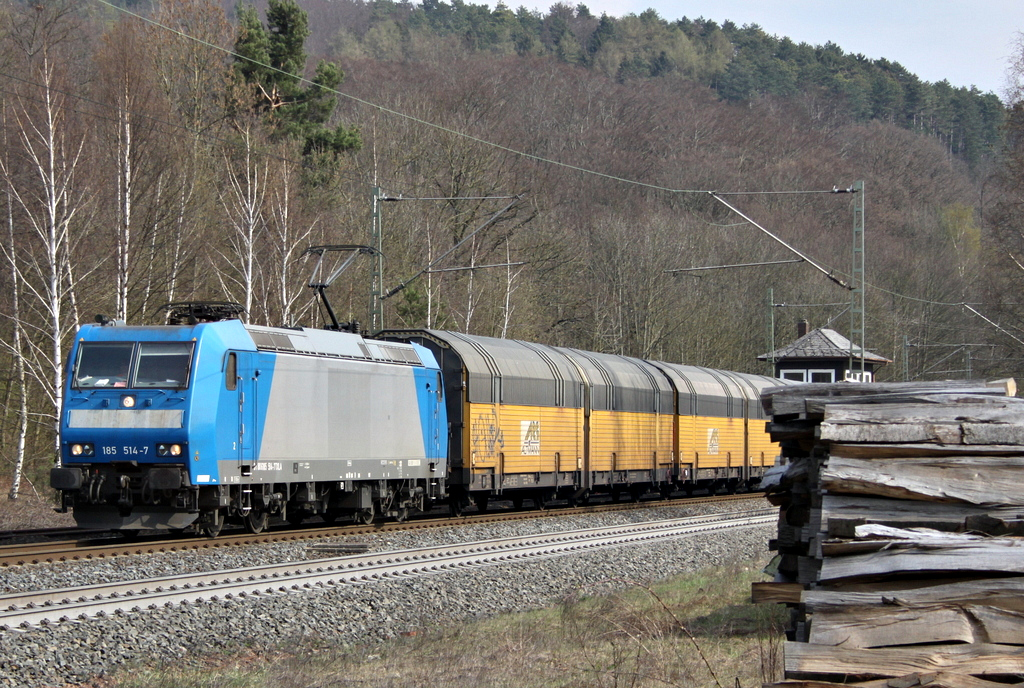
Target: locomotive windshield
(163, 364)
(133, 364)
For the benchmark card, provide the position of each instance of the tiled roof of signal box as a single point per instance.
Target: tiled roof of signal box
(821, 343)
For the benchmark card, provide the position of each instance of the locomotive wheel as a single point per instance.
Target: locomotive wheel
(256, 521)
(329, 516)
(403, 515)
(296, 517)
(364, 517)
(213, 522)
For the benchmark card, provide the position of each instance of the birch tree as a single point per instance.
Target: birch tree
(40, 170)
(244, 200)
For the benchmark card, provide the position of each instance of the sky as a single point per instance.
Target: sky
(967, 42)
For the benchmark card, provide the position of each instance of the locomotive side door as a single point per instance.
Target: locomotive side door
(247, 377)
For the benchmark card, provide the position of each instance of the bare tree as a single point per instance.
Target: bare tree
(244, 201)
(43, 185)
(16, 346)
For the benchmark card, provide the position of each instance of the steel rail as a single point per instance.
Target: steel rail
(23, 610)
(39, 553)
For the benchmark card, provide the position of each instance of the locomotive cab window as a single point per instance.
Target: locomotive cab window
(103, 365)
(164, 364)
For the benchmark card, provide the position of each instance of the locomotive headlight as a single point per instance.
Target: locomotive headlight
(168, 450)
(175, 450)
(84, 449)
(128, 402)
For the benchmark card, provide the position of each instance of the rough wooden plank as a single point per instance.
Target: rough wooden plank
(1001, 593)
(792, 430)
(793, 399)
(783, 593)
(989, 481)
(1004, 411)
(891, 433)
(841, 513)
(978, 397)
(995, 555)
(911, 450)
(979, 659)
(893, 625)
(915, 680)
(984, 433)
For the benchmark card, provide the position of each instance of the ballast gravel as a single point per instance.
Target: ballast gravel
(77, 651)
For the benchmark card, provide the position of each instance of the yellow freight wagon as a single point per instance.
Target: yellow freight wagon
(530, 421)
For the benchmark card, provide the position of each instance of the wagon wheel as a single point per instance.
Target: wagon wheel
(256, 521)
(481, 502)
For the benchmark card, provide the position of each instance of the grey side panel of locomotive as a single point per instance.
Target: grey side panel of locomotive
(336, 419)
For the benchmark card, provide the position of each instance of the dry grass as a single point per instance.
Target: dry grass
(695, 631)
(31, 509)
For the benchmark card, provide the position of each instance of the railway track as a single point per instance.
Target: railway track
(25, 610)
(93, 548)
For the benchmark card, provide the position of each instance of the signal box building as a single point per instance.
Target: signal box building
(822, 355)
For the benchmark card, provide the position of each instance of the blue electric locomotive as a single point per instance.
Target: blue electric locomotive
(192, 425)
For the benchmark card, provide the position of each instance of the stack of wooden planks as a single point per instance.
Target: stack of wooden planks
(901, 533)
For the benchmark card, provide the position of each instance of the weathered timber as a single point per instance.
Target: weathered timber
(1001, 593)
(915, 450)
(788, 593)
(873, 537)
(816, 406)
(987, 481)
(915, 680)
(984, 433)
(995, 555)
(841, 513)
(939, 433)
(893, 625)
(793, 400)
(1003, 410)
(792, 430)
(911, 450)
(906, 528)
(810, 660)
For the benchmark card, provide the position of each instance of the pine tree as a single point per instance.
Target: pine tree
(270, 64)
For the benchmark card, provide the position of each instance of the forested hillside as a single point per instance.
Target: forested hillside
(172, 152)
(737, 63)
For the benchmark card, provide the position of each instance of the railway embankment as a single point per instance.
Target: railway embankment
(901, 533)
(80, 650)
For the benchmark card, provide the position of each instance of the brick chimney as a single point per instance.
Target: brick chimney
(802, 328)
